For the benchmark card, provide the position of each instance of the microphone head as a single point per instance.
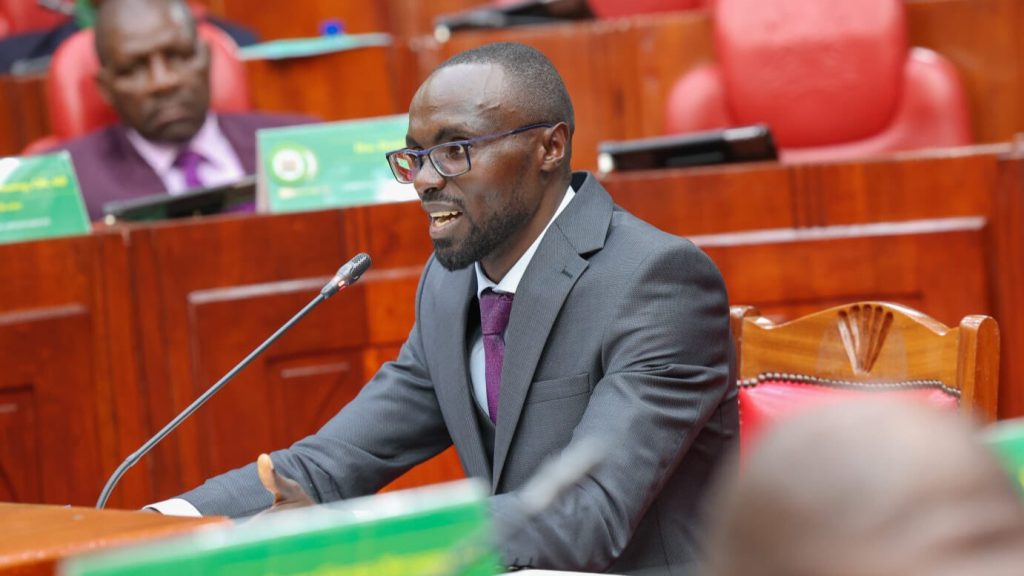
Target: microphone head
(359, 263)
(347, 275)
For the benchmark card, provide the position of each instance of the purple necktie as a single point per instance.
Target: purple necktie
(494, 311)
(188, 162)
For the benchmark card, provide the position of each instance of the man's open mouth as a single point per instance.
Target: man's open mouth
(442, 219)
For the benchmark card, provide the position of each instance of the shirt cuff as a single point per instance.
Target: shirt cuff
(175, 507)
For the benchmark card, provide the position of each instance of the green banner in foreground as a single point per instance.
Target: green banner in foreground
(316, 166)
(39, 198)
(1007, 439)
(433, 531)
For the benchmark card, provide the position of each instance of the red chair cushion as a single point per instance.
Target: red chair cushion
(770, 400)
(817, 71)
(76, 106)
(17, 16)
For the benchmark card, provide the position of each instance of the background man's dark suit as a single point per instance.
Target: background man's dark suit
(109, 168)
(618, 331)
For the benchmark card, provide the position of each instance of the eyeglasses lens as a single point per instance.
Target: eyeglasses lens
(404, 166)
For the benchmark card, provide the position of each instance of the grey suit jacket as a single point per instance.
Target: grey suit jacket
(108, 167)
(618, 331)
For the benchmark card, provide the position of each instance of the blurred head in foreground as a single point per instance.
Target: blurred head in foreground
(873, 487)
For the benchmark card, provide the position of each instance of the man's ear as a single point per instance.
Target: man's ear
(203, 51)
(102, 79)
(556, 147)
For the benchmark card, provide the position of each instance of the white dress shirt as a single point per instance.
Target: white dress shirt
(508, 283)
(220, 164)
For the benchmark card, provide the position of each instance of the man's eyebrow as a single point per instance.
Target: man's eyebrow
(442, 135)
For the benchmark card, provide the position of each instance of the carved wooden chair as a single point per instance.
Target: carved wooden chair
(866, 347)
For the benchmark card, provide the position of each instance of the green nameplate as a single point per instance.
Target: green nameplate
(317, 166)
(437, 530)
(39, 198)
(1007, 439)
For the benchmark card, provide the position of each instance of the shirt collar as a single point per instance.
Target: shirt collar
(160, 156)
(510, 282)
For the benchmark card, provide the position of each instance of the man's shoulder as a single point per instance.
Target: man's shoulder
(628, 228)
(96, 143)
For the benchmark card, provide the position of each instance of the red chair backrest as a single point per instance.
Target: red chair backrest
(834, 66)
(17, 16)
(77, 108)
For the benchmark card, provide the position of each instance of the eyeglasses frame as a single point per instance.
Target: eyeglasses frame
(419, 154)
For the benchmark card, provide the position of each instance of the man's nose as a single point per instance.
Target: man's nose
(428, 179)
(163, 75)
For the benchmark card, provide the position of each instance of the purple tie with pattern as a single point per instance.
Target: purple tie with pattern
(188, 162)
(494, 312)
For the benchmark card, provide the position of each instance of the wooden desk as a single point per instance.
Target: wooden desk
(104, 338)
(34, 538)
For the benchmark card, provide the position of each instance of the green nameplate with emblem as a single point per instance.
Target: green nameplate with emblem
(39, 198)
(316, 166)
(432, 531)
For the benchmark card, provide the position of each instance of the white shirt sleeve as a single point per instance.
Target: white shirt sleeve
(175, 507)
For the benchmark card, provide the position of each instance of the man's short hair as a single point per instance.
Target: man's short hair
(105, 12)
(538, 86)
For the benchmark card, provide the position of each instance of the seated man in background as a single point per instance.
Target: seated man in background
(30, 47)
(547, 318)
(865, 488)
(155, 71)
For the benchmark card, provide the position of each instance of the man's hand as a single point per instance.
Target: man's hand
(287, 493)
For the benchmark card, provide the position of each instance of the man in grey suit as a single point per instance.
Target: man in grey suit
(616, 332)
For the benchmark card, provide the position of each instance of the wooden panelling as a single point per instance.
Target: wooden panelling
(302, 18)
(788, 274)
(983, 40)
(1006, 268)
(23, 114)
(338, 86)
(62, 407)
(20, 447)
(768, 195)
(237, 253)
(408, 18)
(11, 138)
(641, 62)
(201, 317)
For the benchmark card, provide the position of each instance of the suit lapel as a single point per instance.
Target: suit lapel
(135, 176)
(452, 383)
(242, 139)
(557, 264)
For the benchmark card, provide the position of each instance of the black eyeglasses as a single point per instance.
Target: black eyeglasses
(449, 159)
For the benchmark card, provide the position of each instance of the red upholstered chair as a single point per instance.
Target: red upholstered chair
(77, 108)
(17, 16)
(833, 79)
(619, 8)
(862, 348)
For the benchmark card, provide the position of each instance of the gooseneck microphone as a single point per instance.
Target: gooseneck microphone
(346, 276)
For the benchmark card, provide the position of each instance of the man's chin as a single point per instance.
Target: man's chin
(175, 132)
(451, 258)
